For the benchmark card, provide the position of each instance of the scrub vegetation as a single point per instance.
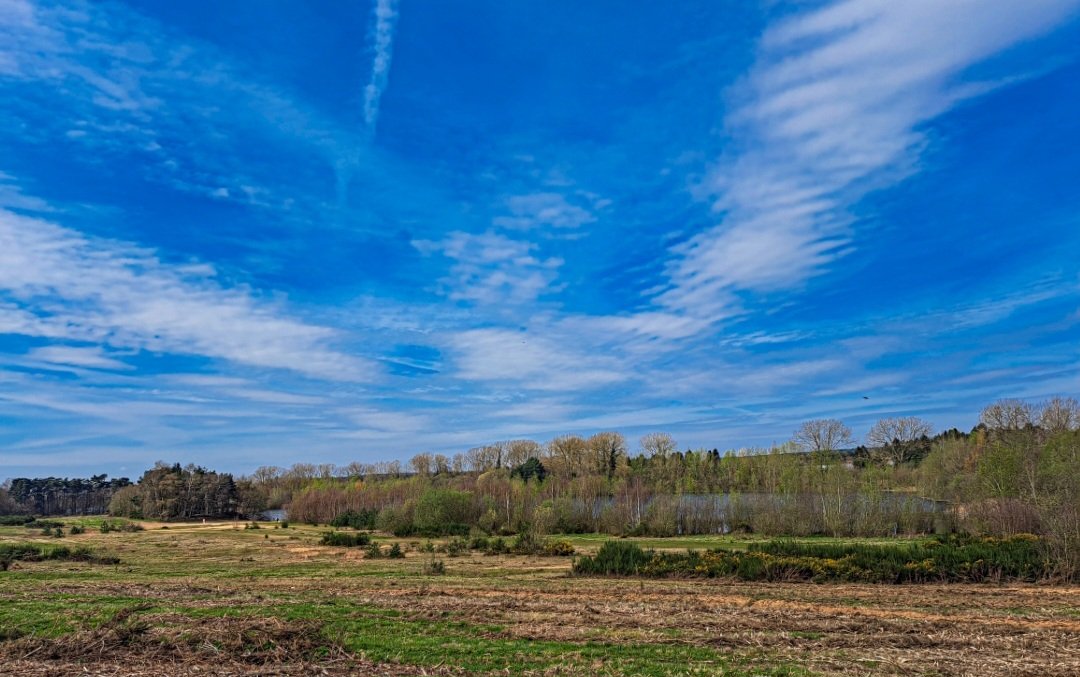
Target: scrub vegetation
(216, 598)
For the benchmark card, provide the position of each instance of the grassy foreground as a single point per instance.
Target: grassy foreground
(222, 599)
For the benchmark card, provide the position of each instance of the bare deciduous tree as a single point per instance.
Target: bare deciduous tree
(421, 464)
(442, 464)
(608, 452)
(822, 434)
(659, 445)
(519, 451)
(1008, 415)
(897, 438)
(1059, 414)
(567, 455)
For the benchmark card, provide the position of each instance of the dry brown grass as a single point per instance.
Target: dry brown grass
(830, 629)
(170, 644)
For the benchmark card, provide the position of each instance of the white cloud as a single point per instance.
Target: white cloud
(56, 283)
(529, 361)
(91, 358)
(120, 84)
(490, 268)
(544, 210)
(12, 197)
(832, 109)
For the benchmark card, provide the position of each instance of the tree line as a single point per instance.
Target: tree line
(1015, 472)
(61, 495)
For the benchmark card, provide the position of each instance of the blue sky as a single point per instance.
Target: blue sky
(253, 233)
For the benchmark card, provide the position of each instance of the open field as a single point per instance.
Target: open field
(221, 600)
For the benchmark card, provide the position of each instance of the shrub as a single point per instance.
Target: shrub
(355, 519)
(395, 552)
(496, 546)
(43, 524)
(443, 512)
(374, 551)
(526, 543)
(559, 548)
(15, 520)
(120, 525)
(396, 520)
(434, 567)
(252, 525)
(284, 524)
(478, 543)
(38, 552)
(456, 547)
(944, 559)
(620, 558)
(345, 540)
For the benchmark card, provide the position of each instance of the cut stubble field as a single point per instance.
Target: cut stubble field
(217, 599)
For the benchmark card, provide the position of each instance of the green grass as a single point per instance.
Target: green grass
(200, 572)
(388, 635)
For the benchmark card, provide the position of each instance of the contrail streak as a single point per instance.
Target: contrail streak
(382, 44)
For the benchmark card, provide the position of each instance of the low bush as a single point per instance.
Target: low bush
(395, 552)
(38, 552)
(356, 519)
(496, 546)
(374, 551)
(120, 525)
(457, 547)
(15, 520)
(615, 558)
(526, 543)
(343, 539)
(557, 548)
(943, 559)
(434, 567)
(77, 529)
(42, 524)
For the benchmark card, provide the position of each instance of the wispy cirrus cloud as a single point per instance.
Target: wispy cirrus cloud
(834, 108)
(123, 87)
(93, 357)
(57, 283)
